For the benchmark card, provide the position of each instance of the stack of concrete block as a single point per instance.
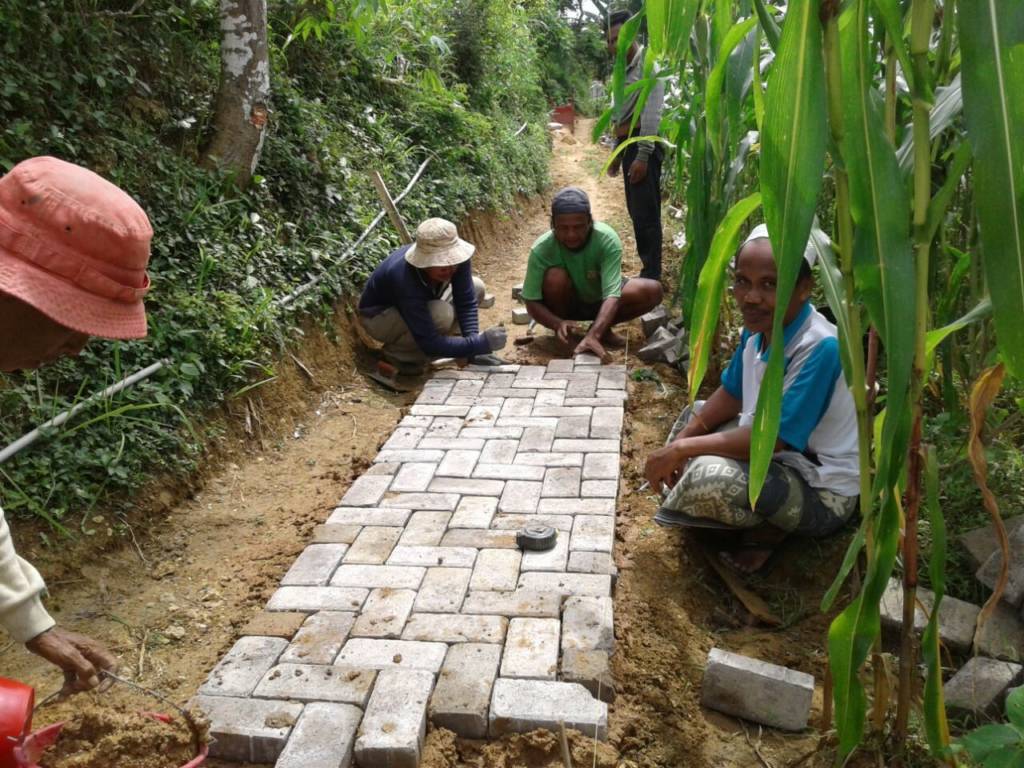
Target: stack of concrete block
(664, 346)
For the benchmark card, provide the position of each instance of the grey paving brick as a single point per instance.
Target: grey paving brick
(517, 603)
(545, 459)
(240, 669)
(496, 570)
(531, 649)
(248, 730)
(373, 545)
(467, 486)
(581, 388)
(520, 496)
(366, 491)
(515, 522)
(503, 378)
(474, 512)
(315, 565)
(561, 482)
(586, 358)
(457, 464)
(323, 737)
(374, 576)
(483, 415)
(405, 438)
(564, 445)
(601, 489)
(573, 426)
(384, 614)
(383, 468)
(554, 559)
(564, 365)
(491, 433)
(606, 423)
(413, 477)
(593, 533)
(516, 407)
(442, 590)
(452, 443)
(608, 398)
(591, 562)
(598, 585)
(756, 690)
(536, 439)
(562, 412)
(416, 455)
(368, 516)
(462, 696)
(509, 471)
(425, 529)
(463, 374)
(588, 624)
(439, 410)
(550, 397)
(435, 392)
(452, 557)
(421, 501)
(592, 670)
(499, 452)
(956, 617)
(480, 538)
(981, 543)
(366, 653)
(320, 638)
(988, 573)
(283, 624)
(416, 421)
(455, 628)
(525, 422)
(508, 392)
(494, 403)
(521, 706)
(312, 599)
(612, 380)
(1002, 636)
(395, 723)
(468, 387)
(316, 682)
(589, 506)
(531, 372)
(978, 689)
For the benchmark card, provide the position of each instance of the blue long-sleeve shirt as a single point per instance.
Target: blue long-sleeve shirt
(397, 283)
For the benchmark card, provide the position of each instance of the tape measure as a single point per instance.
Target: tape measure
(536, 538)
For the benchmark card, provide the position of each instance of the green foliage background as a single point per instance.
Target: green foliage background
(127, 89)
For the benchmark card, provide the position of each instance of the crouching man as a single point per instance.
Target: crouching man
(421, 302)
(574, 272)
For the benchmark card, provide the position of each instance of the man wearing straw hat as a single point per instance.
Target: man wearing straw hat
(421, 301)
(73, 256)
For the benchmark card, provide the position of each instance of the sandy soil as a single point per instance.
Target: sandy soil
(209, 550)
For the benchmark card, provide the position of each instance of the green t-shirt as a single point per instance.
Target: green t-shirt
(595, 269)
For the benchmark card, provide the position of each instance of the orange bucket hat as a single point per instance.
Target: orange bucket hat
(75, 247)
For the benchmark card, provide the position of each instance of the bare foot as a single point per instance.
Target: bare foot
(613, 340)
(746, 561)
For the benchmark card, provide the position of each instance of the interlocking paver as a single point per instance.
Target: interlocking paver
(315, 565)
(453, 557)
(316, 682)
(562, 412)
(452, 443)
(366, 491)
(606, 423)
(368, 516)
(531, 649)
(248, 730)
(457, 464)
(383, 468)
(335, 533)
(313, 599)
(499, 452)
(520, 496)
(553, 559)
(415, 421)
(439, 410)
(496, 570)
(404, 438)
(373, 576)
(515, 522)
(417, 455)
(591, 562)
(598, 585)
(373, 545)
(482, 539)
(587, 624)
(573, 426)
(413, 477)
(536, 439)
(569, 445)
(365, 653)
(484, 415)
(602, 489)
(455, 628)
(547, 459)
(516, 407)
(322, 738)
(384, 614)
(509, 471)
(474, 512)
(467, 486)
(462, 696)
(590, 506)
(491, 433)
(442, 590)
(395, 724)
(521, 706)
(435, 392)
(562, 482)
(550, 397)
(242, 668)
(521, 602)
(593, 533)
(320, 638)
(523, 422)
(425, 529)
(443, 501)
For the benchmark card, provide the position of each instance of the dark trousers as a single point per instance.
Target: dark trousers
(643, 201)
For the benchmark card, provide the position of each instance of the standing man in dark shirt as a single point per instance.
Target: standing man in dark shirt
(421, 301)
(640, 162)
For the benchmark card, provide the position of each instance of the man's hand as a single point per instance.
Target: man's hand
(613, 169)
(565, 331)
(637, 171)
(592, 345)
(81, 657)
(665, 466)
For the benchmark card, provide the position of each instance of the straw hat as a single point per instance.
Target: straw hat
(75, 247)
(438, 245)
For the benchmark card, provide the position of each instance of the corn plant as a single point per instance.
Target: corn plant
(913, 112)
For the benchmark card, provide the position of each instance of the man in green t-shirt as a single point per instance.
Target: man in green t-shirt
(575, 273)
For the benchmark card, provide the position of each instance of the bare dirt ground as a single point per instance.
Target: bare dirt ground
(209, 550)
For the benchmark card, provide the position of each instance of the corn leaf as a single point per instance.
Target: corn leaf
(992, 46)
(935, 337)
(892, 20)
(698, 221)
(717, 79)
(627, 34)
(768, 24)
(936, 726)
(831, 280)
(949, 103)
(940, 201)
(792, 158)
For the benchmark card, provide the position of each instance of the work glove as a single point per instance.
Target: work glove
(497, 337)
(490, 360)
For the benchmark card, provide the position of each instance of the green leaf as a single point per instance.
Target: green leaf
(892, 19)
(940, 200)
(621, 147)
(768, 24)
(627, 34)
(708, 298)
(831, 280)
(1015, 707)
(935, 337)
(601, 124)
(949, 103)
(992, 46)
(716, 79)
(935, 724)
(989, 739)
(792, 157)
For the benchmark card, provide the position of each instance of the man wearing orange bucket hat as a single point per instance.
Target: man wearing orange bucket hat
(73, 256)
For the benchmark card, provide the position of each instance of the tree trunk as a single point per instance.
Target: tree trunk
(240, 122)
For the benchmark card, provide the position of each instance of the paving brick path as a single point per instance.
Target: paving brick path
(414, 602)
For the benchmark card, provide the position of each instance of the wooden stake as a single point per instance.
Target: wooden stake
(564, 739)
(389, 206)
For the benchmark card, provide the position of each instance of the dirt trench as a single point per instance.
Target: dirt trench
(174, 600)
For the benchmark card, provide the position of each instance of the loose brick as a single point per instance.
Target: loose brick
(384, 613)
(248, 730)
(988, 573)
(509, 471)
(420, 501)
(442, 590)
(496, 570)
(323, 737)
(756, 690)
(439, 410)
(274, 624)
(536, 439)
(589, 506)
(457, 464)
(241, 668)
(417, 456)
(315, 682)
(531, 649)
(573, 426)
(600, 489)
(1002, 635)
(515, 522)
(550, 459)
(593, 533)
(585, 358)
(313, 599)
(364, 653)
(474, 512)
(373, 545)
(395, 723)
(372, 516)
(453, 557)
(366, 491)
(588, 624)
(499, 452)
(462, 695)
(455, 628)
(521, 706)
(413, 477)
(561, 482)
(597, 585)
(527, 372)
(591, 562)
(467, 487)
(562, 445)
(518, 603)
(335, 533)
(592, 670)
(319, 639)
(425, 529)
(956, 618)
(479, 538)
(520, 496)
(978, 689)
(553, 559)
(654, 320)
(405, 438)
(374, 576)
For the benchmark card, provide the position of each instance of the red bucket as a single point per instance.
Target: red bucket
(17, 701)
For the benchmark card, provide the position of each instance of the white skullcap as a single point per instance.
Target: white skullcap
(761, 231)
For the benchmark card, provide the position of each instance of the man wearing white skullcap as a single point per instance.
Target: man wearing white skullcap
(814, 478)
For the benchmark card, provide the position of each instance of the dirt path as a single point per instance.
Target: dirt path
(204, 566)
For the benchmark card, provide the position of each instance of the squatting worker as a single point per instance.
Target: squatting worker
(814, 479)
(421, 301)
(73, 256)
(640, 162)
(574, 272)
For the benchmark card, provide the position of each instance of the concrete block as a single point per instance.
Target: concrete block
(661, 350)
(370, 516)
(515, 522)
(499, 451)
(385, 613)
(518, 603)
(591, 562)
(606, 399)
(457, 464)
(1002, 635)
(374, 576)
(466, 487)
(593, 533)
(462, 695)
(459, 373)
(956, 618)
(316, 682)
(335, 533)
(554, 559)
(756, 690)
(562, 445)
(528, 372)
(515, 407)
(589, 506)
(366, 491)
(520, 316)
(425, 529)
(531, 649)
(545, 383)
(561, 482)
(418, 455)
(242, 668)
(468, 388)
(581, 388)
(480, 538)
(567, 584)
(314, 566)
(367, 653)
(413, 477)
(592, 670)
(319, 639)
(520, 496)
(313, 599)
(988, 573)
(418, 421)
(606, 423)
(421, 501)
(442, 590)
(474, 512)
(496, 570)
(455, 628)
(395, 723)
(491, 433)
(536, 439)
(587, 624)
(509, 471)
(562, 411)
(614, 380)
(487, 301)
(407, 438)
(982, 543)
(653, 320)
(520, 706)
(452, 557)
(373, 545)
(978, 689)
(525, 422)
(248, 730)
(274, 624)
(517, 292)
(573, 427)
(322, 738)
(547, 459)
(505, 392)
